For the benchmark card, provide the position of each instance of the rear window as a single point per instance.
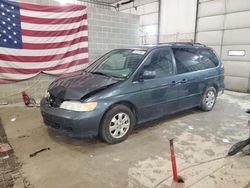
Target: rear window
(191, 59)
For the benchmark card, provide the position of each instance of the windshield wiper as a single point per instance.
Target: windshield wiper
(101, 73)
(107, 75)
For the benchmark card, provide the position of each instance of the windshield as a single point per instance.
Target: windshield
(117, 63)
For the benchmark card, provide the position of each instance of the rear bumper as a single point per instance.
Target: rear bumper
(74, 124)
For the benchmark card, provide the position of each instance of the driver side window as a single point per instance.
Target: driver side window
(161, 62)
(115, 62)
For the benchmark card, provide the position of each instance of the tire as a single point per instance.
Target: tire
(117, 124)
(208, 99)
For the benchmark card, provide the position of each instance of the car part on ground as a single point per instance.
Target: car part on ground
(39, 151)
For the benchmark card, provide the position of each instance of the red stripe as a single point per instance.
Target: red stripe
(35, 20)
(27, 59)
(37, 46)
(67, 73)
(54, 33)
(7, 81)
(37, 70)
(43, 8)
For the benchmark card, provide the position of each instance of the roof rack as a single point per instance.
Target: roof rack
(184, 43)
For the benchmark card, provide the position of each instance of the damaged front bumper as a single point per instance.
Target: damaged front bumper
(74, 124)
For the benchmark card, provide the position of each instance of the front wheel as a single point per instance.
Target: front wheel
(117, 124)
(208, 99)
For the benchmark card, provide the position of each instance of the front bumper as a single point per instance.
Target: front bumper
(74, 124)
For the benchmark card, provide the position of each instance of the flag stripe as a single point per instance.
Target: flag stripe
(17, 77)
(54, 15)
(43, 8)
(69, 70)
(35, 70)
(52, 27)
(47, 40)
(43, 52)
(36, 20)
(42, 58)
(54, 45)
(54, 33)
(8, 76)
(12, 64)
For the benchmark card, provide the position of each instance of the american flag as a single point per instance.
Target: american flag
(36, 38)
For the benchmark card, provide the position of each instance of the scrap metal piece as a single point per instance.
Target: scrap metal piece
(41, 150)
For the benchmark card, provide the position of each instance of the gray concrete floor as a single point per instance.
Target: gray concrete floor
(144, 159)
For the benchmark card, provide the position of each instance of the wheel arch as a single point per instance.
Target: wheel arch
(126, 103)
(216, 87)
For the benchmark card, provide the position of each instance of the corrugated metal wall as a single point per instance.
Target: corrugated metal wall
(225, 26)
(177, 20)
(148, 12)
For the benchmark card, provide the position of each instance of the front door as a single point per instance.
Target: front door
(158, 94)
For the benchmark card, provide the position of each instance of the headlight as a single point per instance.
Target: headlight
(78, 106)
(47, 94)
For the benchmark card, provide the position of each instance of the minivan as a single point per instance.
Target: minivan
(127, 87)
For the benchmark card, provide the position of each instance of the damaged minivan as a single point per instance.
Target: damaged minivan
(127, 87)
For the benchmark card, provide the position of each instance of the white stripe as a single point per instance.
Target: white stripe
(34, 65)
(52, 27)
(52, 15)
(70, 69)
(10, 76)
(28, 39)
(34, 53)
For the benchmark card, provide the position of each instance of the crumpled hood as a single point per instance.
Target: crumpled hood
(76, 86)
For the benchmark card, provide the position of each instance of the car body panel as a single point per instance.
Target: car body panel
(150, 99)
(76, 86)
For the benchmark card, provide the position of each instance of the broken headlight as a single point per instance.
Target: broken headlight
(78, 106)
(47, 95)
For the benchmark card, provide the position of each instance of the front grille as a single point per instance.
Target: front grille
(54, 102)
(52, 123)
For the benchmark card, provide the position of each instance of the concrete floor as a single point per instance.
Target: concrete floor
(144, 159)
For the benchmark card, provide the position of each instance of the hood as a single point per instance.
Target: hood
(76, 86)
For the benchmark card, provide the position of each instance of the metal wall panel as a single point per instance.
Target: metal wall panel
(210, 23)
(237, 5)
(211, 8)
(237, 36)
(148, 12)
(237, 83)
(237, 20)
(149, 19)
(237, 68)
(225, 25)
(211, 38)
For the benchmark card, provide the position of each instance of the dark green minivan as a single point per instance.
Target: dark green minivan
(126, 87)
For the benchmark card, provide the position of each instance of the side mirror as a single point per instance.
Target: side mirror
(148, 73)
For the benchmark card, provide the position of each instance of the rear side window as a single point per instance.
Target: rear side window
(191, 59)
(208, 58)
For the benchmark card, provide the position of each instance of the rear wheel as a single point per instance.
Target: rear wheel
(117, 124)
(208, 99)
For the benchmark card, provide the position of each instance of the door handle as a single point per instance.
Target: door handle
(183, 81)
(173, 83)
